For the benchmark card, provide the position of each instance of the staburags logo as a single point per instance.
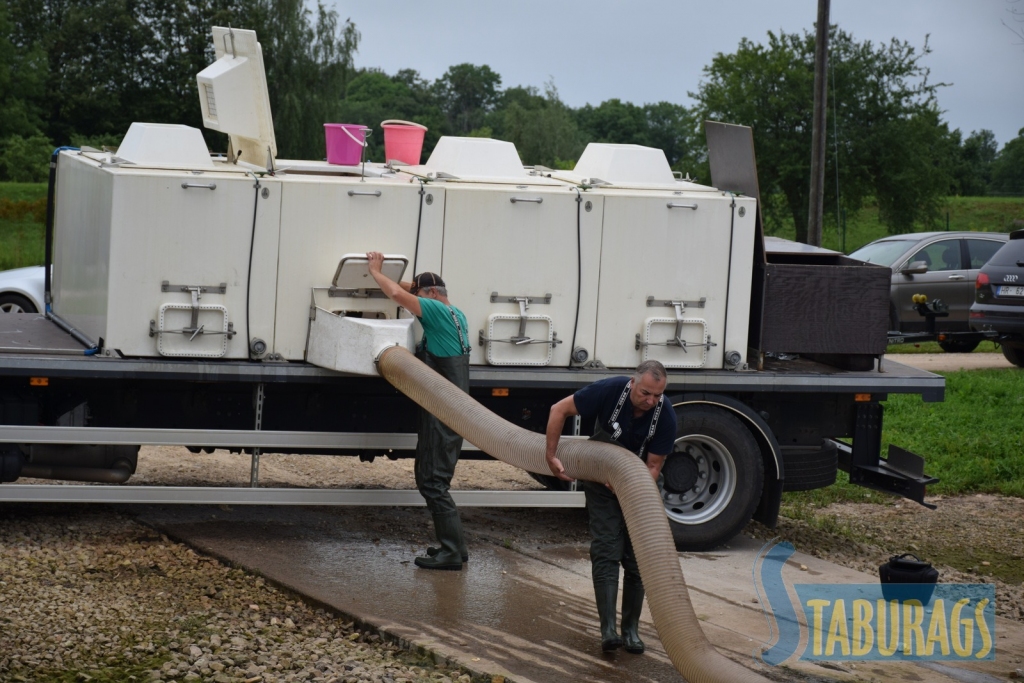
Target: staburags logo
(876, 621)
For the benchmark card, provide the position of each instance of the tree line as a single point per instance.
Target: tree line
(78, 72)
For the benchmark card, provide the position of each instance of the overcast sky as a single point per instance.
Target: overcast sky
(652, 50)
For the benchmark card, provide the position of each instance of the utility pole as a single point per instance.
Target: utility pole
(816, 210)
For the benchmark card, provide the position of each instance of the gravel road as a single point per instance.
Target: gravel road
(88, 594)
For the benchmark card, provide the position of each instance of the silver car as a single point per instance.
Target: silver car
(940, 265)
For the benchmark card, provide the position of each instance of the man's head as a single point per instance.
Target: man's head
(649, 383)
(429, 285)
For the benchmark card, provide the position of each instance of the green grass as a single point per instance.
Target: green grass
(22, 215)
(22, 192)
(933, 347)
(972, 441)
(982, 214)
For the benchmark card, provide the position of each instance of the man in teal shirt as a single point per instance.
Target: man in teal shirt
(445, 348)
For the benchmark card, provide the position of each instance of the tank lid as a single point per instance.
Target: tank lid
(168, 145)
(625, 164)
(468, 158)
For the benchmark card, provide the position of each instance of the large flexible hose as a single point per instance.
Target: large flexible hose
(680, 632)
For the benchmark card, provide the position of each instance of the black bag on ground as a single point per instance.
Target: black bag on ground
(908, 568)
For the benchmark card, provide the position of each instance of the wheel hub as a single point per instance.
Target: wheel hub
(681, 473)
(698, 480)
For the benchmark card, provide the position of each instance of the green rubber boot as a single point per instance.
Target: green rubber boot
(432, 551)
(606, 595)
(448, 528)
(632, 605)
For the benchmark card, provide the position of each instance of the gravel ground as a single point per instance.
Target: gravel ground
(88, 594)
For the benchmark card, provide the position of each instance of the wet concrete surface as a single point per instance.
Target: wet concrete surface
(523, 606)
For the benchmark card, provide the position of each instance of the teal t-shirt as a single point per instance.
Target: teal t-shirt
(439, 329)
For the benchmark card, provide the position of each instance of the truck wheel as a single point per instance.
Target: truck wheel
(711, 482)
(1014, 353)
(954, 346)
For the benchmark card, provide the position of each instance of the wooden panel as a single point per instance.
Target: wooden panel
(825, 309)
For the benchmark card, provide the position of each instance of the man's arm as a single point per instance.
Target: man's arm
(654, 464)
(399, 293)
(556, 421)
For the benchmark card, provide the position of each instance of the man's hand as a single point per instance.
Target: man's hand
(556, 420)
(556, 467)
(376, 261)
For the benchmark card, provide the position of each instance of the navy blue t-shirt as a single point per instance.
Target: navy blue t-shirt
(596, 403)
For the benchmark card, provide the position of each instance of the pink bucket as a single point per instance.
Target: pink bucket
(345, 143)
(403, 141)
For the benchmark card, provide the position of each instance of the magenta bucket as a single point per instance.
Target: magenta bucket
(345, 143)
(403, 141)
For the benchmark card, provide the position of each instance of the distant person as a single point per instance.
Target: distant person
(444, 348)
(630, 412)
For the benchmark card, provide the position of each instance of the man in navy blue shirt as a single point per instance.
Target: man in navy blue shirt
(631, 412)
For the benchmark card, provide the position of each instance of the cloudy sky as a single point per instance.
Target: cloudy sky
(652, 50)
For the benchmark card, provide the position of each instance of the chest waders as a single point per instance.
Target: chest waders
(437, 451)
(611, 546)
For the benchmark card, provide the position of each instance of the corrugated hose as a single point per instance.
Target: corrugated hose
(691, 652)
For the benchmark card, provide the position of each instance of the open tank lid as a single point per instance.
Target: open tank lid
(353, 271)
(468, 158)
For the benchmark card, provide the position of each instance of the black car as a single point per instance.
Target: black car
(999, 298)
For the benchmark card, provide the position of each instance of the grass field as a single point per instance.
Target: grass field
(982, 214)
(933, 347)
(22, 214)
(973, 441)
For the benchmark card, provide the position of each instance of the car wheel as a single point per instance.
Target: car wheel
(16, 303)
(1014, 353)
(955, 346)
(711, 482)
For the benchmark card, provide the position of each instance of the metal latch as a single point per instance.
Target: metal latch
(194, 329)
(524, 305)
(677, 339)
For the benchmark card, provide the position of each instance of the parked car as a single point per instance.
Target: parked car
(999, 298)
(940, 265)
(21, 290)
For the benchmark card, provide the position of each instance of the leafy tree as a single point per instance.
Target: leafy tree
(309, 64)
(373, 97)
(1008, 167)
(892, 143)
(466, 93)
(973, 170)
(542, 127)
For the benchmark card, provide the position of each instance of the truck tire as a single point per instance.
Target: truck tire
(1014, 353)
(958, 346)
(811, 467)
(711, 482)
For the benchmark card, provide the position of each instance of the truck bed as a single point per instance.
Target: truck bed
(32, 345)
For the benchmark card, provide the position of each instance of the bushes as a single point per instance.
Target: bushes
(25, 160)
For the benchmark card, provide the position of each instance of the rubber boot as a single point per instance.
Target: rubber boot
(606, 594)
(432, 551)
(448, 529)
(632, 605)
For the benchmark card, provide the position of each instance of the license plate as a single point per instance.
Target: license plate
(1006, 290)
